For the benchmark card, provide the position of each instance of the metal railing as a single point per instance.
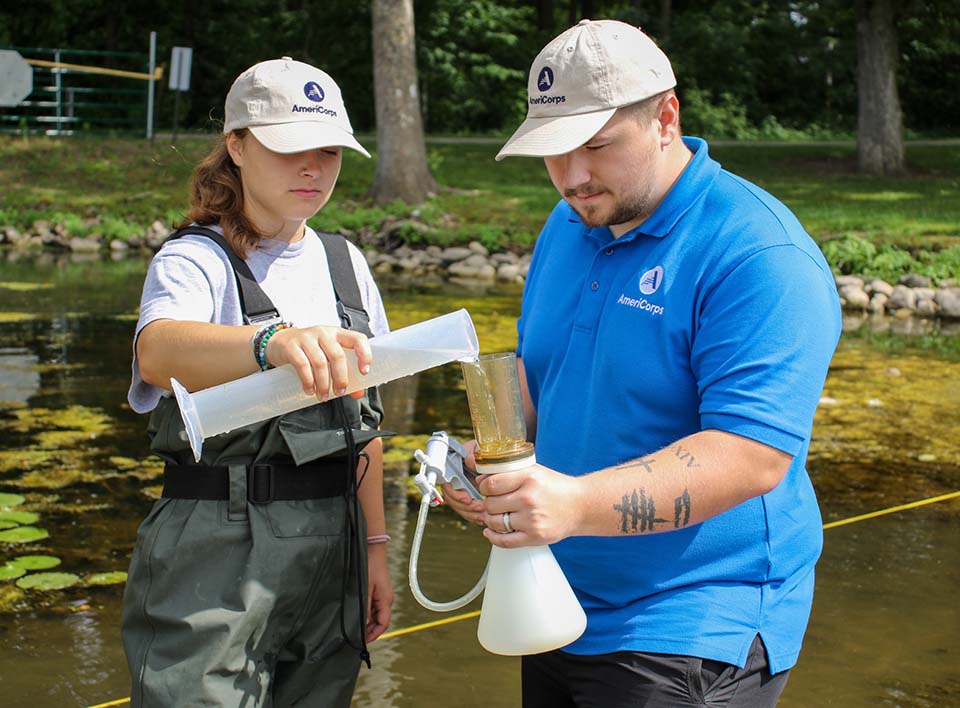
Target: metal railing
(82, 92)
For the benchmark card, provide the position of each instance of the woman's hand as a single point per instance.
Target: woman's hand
(380, 591)
(318, 356)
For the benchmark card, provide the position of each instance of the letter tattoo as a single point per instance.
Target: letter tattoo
(683, 454)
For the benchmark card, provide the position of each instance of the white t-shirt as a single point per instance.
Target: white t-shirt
(191, 279)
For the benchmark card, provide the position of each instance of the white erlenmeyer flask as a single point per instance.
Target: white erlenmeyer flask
(528, 605)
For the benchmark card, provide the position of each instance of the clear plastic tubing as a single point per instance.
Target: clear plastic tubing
(267, 394)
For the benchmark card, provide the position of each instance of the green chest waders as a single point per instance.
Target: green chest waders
(249, 575)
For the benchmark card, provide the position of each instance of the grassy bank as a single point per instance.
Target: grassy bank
(129, 183)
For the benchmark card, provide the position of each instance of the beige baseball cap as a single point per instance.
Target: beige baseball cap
(289, 106)
(579, 80)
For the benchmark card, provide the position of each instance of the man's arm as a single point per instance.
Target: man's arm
(686, 483)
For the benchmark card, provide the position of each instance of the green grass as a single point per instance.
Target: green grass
(128, 183)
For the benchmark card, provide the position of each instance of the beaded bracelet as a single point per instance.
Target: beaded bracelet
(379, 538)
(260, 340)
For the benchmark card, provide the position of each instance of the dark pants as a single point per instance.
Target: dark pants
(642, 680)
(242, 607)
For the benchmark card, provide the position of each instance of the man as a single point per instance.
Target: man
(676, 329)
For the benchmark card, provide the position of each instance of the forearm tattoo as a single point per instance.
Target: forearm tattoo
(638, 512)
(684, 454)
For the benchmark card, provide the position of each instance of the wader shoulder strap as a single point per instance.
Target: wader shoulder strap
(257, 307)
(349, 304)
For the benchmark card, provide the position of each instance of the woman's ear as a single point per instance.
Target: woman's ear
(235, 148)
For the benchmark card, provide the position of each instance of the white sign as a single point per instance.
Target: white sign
(180, 60)
(16, 78)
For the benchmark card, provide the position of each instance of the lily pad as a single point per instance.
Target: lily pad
(112, 578)
(8, 525)
(35, 562)
(7, 499)
(23, 534)
(48, 581)
(19, 517)
(9, 571)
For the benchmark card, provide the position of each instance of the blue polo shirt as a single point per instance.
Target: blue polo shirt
(718, 312)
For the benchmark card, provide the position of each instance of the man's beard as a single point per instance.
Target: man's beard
(638, 207)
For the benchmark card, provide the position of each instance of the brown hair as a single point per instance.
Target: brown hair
(645, 110)
(216, 197)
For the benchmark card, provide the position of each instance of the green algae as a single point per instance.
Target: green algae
(23, 534)
(886, 427)
(48, 581)
(35, 562)
(9, 317)
(24, 287)
(81, 419)
(19, 517)
(10, 571)
(114, 577)
(8, 500)
(11, 598)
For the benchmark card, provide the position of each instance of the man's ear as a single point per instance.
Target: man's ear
(669, 118)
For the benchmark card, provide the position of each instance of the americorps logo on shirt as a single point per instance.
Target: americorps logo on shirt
(651, 280)
(648, 283)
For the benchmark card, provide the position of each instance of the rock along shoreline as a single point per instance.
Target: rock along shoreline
(913, 295)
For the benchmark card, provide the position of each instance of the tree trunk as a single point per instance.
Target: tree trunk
(666, 12)
(879, 118)
(402, 171)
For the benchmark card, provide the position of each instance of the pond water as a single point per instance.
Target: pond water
(884, 630)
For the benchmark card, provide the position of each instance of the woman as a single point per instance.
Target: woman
(246, 583)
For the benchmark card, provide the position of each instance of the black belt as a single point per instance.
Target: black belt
(265, 482)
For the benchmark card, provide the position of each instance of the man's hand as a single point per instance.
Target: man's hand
(544, 506)
(468, 508)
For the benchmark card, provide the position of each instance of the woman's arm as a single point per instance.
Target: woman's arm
(201, 354)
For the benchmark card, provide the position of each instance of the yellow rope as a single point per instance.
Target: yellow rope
(891, 510)
(157, 73)
(428, 625)
(468, 615)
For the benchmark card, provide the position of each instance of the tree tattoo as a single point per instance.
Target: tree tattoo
(638, 512)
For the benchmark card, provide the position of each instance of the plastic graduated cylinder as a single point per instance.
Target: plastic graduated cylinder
(267, 394)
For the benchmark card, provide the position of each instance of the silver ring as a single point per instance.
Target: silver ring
(506, 522)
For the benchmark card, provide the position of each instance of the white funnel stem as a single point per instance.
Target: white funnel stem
(267, 394)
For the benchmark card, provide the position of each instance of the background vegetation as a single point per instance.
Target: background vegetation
(872, 225)
(746, 68)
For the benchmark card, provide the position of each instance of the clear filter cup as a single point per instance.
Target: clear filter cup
(496, 409)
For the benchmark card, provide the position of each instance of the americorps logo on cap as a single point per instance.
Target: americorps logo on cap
(651, 281)
(545, 83)
(546, 79)
(312, 90)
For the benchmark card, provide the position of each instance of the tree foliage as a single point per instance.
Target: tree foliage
(778, 65)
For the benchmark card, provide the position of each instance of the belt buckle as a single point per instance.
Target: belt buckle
(260, 484)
